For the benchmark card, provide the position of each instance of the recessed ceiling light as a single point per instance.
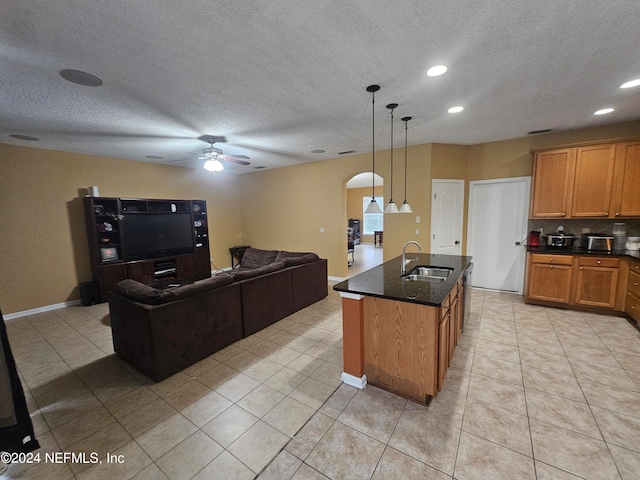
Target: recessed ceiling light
(154, 157)
(603, 111)
(80, 78)
(631, 83)
(455, 109)
(436, 70)
(317, 151)
(24, 137)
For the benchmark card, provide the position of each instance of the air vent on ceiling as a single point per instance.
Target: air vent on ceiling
(346, 152)
(535, 132)
(24, 137)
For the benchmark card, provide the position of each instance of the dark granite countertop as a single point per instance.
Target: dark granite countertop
(385, 280)
(583, 251)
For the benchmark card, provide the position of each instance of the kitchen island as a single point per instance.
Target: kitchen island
(400, 334)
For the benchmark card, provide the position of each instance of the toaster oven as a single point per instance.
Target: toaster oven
(596, 241)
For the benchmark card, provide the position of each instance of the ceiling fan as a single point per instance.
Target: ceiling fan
(215, 156)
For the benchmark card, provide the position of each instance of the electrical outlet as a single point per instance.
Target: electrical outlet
(417, 231)
(321, 230)
(417, 218)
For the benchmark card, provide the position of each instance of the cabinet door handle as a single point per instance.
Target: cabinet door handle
(635, 284)
(563, 214)
(617, 214)
(598, 262)
(550, 266)
(606, 214)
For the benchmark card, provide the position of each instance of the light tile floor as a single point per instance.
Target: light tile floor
(533, 392)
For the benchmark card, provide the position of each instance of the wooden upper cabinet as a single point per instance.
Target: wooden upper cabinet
(553, 173)
(593, 181)
(625, 198)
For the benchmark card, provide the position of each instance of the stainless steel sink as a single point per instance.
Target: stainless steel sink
(428, 273)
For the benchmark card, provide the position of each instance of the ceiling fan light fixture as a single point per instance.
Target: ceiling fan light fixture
(213, 165)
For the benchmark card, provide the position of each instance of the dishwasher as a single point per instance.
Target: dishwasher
(466, 288)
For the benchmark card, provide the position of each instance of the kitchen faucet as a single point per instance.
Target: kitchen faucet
(404, 260)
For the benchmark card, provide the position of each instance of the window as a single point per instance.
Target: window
(372, 221)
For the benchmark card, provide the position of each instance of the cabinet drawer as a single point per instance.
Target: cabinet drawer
(634, 284)
(599, 262)
(634, 266)
(633, 307)
(555, 259)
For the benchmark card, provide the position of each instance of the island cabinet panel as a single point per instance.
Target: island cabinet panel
(401, 347)
(593, 181)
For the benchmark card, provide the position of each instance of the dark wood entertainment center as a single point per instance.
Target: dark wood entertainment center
(111, 261)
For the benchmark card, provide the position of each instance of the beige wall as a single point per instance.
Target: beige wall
(287, 207)
(42, 232)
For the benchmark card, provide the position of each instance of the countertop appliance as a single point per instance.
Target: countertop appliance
(596, 241)
(559, 240)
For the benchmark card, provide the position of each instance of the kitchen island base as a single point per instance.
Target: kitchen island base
(401, 345)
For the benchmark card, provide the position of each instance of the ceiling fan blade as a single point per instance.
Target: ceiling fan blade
(236, 159)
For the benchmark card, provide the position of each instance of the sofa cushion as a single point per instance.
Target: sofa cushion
(210, 283)
(151, 296)
(256, 258)
(296, 258)
(243, 273)
(139, 292)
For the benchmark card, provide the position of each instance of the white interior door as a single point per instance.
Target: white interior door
(446, 216)
(497, 228)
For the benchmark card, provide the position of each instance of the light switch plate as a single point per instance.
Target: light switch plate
(417, 218)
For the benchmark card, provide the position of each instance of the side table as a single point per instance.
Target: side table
(236, 254)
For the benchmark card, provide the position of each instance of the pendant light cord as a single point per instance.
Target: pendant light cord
(391, 199)
(373, 144)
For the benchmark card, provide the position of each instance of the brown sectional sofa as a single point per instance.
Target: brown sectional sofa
(162, 331)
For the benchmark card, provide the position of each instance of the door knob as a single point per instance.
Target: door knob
(517, 243)
(457, 242)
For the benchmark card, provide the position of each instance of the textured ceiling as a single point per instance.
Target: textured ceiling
(280, 79)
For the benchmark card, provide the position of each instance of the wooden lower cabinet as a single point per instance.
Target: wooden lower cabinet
(186, 267)
(597, 281)
(549, 278)
(587, 281)
(632, 303)
(444, 332)
(108, 278)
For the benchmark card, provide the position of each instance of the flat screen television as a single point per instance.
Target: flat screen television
(149, 235)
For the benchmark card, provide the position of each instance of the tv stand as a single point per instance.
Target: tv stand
(108, 246)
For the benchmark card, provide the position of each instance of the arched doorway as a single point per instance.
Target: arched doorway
(367, 252)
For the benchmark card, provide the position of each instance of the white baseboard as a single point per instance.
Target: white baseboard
(46, 308)
(358, 382)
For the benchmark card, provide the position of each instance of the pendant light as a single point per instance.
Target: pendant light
(373, 206)
(391, 206)
(405, 208)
